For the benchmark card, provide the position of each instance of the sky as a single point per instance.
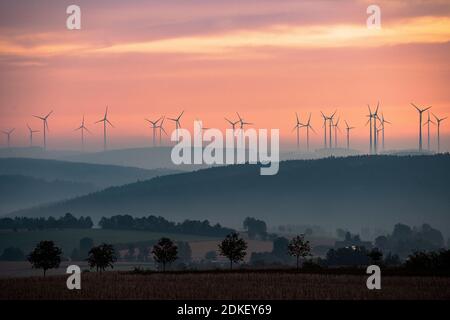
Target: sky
(266, 59)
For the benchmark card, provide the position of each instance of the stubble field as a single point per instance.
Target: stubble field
(225, 285)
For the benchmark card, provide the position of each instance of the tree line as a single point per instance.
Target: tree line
(160, 224)
(118, 222)
(68, 221)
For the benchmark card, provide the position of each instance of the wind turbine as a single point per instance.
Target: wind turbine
(154, 127)
(177, 123)
(438, 131)
(45, 124)
(242, 121)
(232, 123)
(420, 123)
(382, 122)
(161, 129)
(105, 121)
(348, 128)
(8, 134)
(330, 119)
(373, 129)
(308, 126)
(82, 127)
(31, 134)
(336, 128)
(241, 125)
(298, 125)
(324, 130)
(428, 129)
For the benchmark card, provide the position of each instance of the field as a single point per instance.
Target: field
(225, 285)
(68, 239)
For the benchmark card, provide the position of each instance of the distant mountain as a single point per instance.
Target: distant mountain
(351, 192)
(100, 176)
(146, 158)
(17, 192)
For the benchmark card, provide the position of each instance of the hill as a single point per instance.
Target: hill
(352, 192)
(18, 192)
(101, 176)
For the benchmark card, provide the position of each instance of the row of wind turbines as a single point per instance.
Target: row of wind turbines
(376, 122)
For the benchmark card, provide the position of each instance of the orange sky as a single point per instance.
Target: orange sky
(266, 59)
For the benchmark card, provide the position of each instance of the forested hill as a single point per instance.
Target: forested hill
(375, 191)
(98, 175)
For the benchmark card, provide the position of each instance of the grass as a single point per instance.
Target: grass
(68, 239)
(225, 285)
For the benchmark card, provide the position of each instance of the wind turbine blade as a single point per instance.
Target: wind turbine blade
(229, 121)
(39, 117)
(99, 121)
(309, 119)
(240, 119)
(48, 115)
(346, 123)
(426, 109)
(294, 128)
(378, 105)
(46, 125)
(296, 116)
(415, 106)
(110, 123)
(313, 129)
(332, 116)
(106, 112)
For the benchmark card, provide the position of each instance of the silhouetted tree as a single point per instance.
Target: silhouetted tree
(102, 257)
(299, 247)
(165, 251)
(348, 256)
(375, 256)
(255, 227)
(233, 247)
(12, 254)
(45, 256)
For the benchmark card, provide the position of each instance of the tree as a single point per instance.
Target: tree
(102, 257)
(165, 251)
(375, 256)
(255, 227)
(299, 247)
(45, 256)
(233, 247)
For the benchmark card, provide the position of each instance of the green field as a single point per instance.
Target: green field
(68, 239)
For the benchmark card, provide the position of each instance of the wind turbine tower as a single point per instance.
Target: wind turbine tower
(154, 126)
(45, 124)
(31, 134)
(105, 123)
(308, 126)
(348, 128)
(177, 123)
(428, 130)
(420, 123)
(82, 127)
(8, 134)
(438, 121)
